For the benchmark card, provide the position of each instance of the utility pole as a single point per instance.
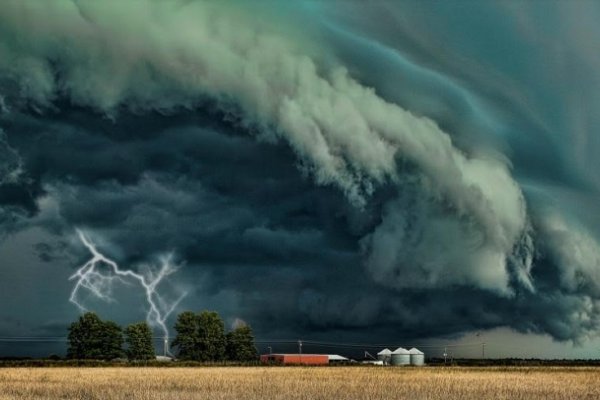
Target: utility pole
(165, 347)
(270, 349)
(300, 350)
(478, 334)
(445, 354)
(483, 350)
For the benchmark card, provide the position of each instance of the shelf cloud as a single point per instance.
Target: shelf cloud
(347, 174)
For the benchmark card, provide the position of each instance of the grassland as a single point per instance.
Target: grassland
(529, 383)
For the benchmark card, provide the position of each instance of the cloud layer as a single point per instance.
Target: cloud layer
(261, 156)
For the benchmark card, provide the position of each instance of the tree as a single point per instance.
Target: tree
(112, 341)
(187, 336)
(240, 344)
(211, 331)
(139, 342)
(200, 337)
(84, 337)
(91, 338)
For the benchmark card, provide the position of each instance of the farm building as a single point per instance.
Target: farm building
(400, 356)
(306, 359)
(335, 358)
(417, 357)
(373, 362)
(385, 356)
(413, 356)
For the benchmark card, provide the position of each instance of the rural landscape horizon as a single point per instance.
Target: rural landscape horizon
(307, 199)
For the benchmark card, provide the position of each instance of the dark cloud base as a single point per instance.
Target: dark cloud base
(239, 211)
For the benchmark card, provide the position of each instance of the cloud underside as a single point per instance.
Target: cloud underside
(272, 170)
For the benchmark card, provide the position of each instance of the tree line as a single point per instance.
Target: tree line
(199, 337)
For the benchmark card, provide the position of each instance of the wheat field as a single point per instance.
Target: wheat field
(300, 383)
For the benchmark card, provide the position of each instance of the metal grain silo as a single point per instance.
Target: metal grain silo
(400, 356)
(385, 355)
(417, 357)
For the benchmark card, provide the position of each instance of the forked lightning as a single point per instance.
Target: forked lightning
(99, 274)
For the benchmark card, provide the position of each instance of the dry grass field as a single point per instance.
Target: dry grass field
(215, 383)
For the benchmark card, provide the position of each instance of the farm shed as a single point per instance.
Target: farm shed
(306, 359)
(335, 358)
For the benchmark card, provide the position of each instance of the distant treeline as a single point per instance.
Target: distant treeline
(14, 362)
(510, 362)
(200, 337)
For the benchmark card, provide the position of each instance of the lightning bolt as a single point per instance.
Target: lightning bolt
(99, 281)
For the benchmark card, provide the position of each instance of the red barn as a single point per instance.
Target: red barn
(306, 359)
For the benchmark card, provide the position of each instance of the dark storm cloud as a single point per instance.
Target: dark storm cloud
(242, 214)
(297, 198)
(189, 177)
(232, 208)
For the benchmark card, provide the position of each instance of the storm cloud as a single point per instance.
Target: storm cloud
(314, 173)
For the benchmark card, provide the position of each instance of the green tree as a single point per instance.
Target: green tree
(240, 344)
(112, 341)
(91, 338)
(211, 331)
(200, 337)
(186, 339)
(139, 342)
(84, 337)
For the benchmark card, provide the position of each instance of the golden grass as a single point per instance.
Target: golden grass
(300, 383)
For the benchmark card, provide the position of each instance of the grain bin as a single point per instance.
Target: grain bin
(417, 357)
(400, 356)
(385, 355)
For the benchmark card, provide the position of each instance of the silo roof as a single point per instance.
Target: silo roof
(400, 350)
(415, 351)
(384, 352)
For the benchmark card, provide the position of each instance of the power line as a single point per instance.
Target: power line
(380, 345)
